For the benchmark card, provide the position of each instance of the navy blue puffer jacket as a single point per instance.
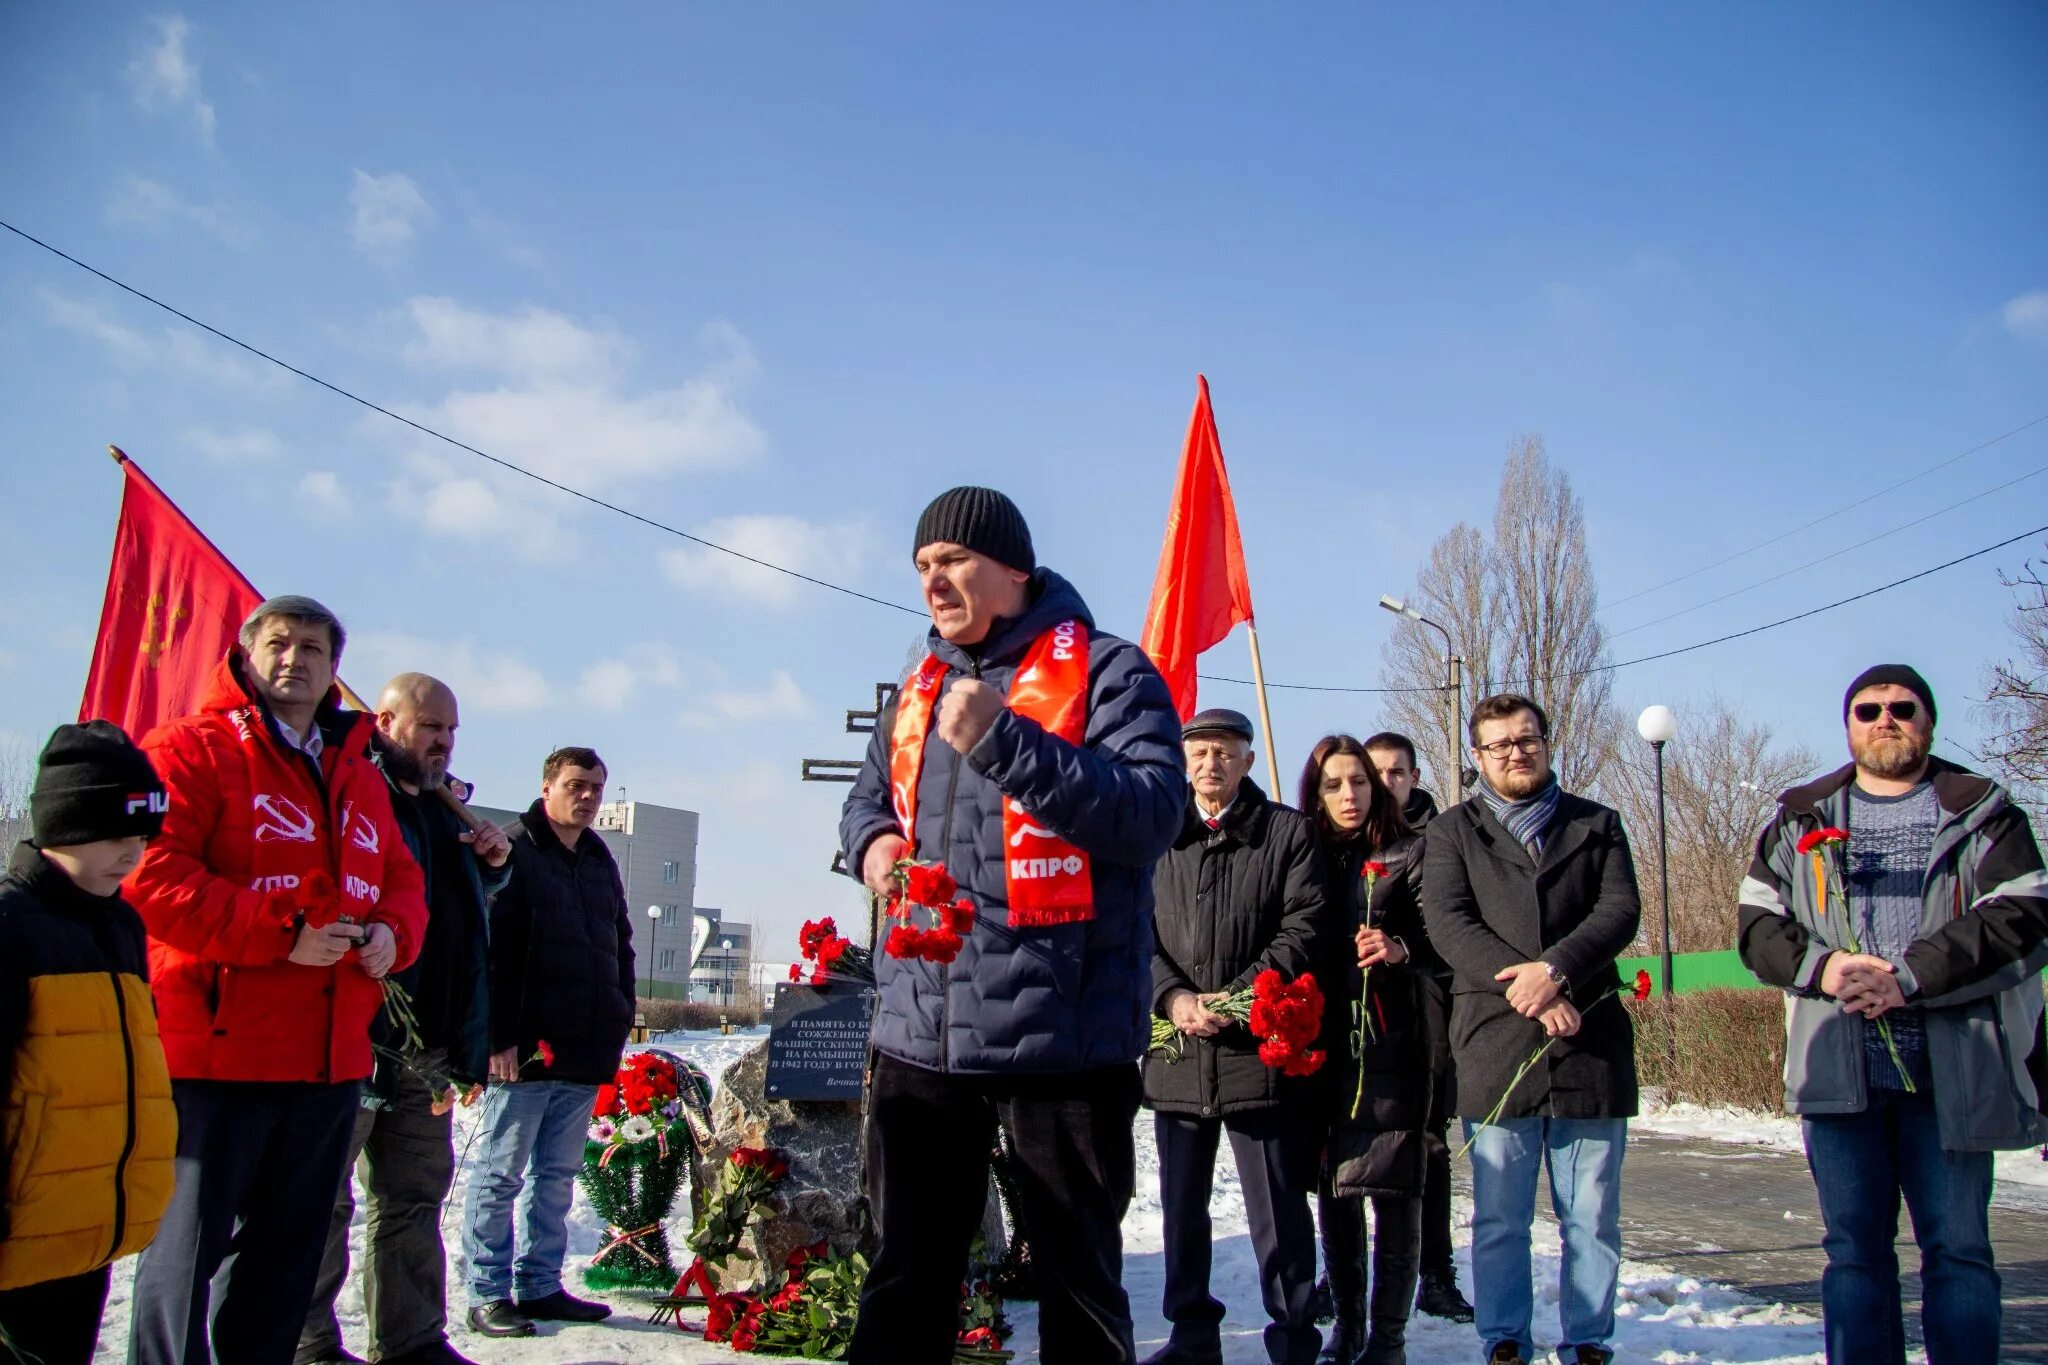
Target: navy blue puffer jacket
(1067, 996)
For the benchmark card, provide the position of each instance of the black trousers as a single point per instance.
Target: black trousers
(1276, 1151)
(406, 1159)
(57, 1321)
(240, 1244)
(929, 1136)
(1436, 1164)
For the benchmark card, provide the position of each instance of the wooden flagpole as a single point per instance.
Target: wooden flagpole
(1265, 714)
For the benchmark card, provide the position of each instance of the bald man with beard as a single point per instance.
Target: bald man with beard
(403, 1147)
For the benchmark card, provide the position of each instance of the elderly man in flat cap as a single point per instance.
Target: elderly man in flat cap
(1240, 891)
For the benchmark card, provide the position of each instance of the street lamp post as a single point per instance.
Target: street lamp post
(1658, 725)
(1454, 663)
(653, 925)
(725, 945)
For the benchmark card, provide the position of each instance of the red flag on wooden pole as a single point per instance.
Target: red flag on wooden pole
(173, 606)
(1201, 590)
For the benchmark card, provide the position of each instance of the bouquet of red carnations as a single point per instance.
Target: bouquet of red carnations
(828, 955)
(930, 887)
(1286, 1016)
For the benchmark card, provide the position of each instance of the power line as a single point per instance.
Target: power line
(1703, 644)
(1828, 516)
(1837, 554)
(426, 430)
(913, 611)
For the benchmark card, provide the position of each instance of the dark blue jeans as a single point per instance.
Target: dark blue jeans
(1861, 1164)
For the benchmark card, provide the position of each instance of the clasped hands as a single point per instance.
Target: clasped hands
(1535, 995)
(1862, 984)
(1190, 1013)
(324, 945)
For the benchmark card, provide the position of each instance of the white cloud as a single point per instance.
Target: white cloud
(500, 234)
(474, 507)
(483, 681)
(2026, 316)
(322, 489)
(782, 697)
(233, 446)
(607, 684)
(564, 408)
(389, 212)
(151, 203)
(532, 344)
(173, 349)
(165, 80)
(821, 550)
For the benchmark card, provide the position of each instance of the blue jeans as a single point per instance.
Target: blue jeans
(532, 1138)
(1584, 1156)
(1861, 1164)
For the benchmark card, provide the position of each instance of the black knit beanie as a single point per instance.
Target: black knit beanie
(93, 783)
(1899, 675)
(981, 519)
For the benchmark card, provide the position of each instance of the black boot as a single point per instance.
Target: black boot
(1396, 1252)
(1343, 1220)
(1440, 1297)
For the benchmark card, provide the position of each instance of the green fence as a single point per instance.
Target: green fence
(1693, 971)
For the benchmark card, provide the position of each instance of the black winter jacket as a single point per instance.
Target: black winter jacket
(1488, 907)
(1062, 997)
(1377, 1141)
(561, 955)
(1228, 904)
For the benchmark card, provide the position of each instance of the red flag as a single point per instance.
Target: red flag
(1201, 590)
(173, 606)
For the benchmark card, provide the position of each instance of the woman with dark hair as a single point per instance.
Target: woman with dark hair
(1381, 1040)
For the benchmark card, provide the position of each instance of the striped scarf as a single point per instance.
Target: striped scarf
(1527, 819)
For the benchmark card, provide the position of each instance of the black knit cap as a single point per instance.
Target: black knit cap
(981, 519)
(92, 783)
(1898, 675)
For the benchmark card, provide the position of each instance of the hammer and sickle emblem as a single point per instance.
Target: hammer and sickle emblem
(159, 624)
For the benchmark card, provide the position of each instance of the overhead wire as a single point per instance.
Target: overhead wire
(812, 579)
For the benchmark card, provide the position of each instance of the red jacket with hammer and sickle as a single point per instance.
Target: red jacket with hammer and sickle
(223, 887)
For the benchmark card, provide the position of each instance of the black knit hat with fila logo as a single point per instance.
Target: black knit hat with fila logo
(981, 519)
(93, 784)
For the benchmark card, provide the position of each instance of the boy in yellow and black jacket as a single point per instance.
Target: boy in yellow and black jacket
(87, 1129)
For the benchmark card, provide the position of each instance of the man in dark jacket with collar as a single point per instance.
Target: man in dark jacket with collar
(1913, 1036)
(1529, 893)
(1039, 760)
(561, 1009)
(1240, 892)
(403, 1146)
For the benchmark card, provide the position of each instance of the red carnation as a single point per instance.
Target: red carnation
(607, 1096)
(1373, 871)
(930, 884)
(546, 1052)
(1830, 835)
(941, 945)
(905, 941)
(1642, 991)
(959, 916)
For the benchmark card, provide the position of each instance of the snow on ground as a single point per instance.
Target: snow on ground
(1667, 1318)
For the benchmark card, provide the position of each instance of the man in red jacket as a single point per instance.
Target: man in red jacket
(277, 897)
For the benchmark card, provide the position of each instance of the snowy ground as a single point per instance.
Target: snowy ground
(1665, 1317)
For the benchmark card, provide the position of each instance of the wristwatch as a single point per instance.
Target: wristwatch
(1557, 978)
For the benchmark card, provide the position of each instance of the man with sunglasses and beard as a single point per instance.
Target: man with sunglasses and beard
(1909, 952)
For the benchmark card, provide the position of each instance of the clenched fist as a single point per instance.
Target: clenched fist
(878, 864)
(966, 712)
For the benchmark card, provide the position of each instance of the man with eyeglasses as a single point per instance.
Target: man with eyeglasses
(1529, 892)
(1909, 955)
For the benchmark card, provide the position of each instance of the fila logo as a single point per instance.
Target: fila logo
(279, 819)
(156, 803)
(1035, 869)
(360, 889)
(361, 832)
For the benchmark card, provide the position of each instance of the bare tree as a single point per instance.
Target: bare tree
(2016, 696)
(1722, 778)
(17, 776)
(1520, 609)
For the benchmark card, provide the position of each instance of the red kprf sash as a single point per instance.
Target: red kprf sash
(1046, 879)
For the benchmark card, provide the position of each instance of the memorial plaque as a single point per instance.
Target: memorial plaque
(818, 1040)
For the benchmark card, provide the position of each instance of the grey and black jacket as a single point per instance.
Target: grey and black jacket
(1973, 971)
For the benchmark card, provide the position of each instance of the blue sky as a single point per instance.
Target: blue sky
(778, 274)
